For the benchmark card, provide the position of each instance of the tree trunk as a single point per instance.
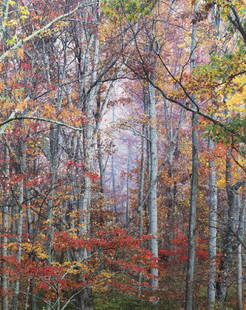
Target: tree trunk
(113, 172)
(100, 160)
(212, 230)
(192, 217)
(239, 254)
(194, 192)
(128, 187)
(85, 299)
(153, 215)
(140, 202)
(213, 195)
(53, 158)
(22, 157)
(226, 250)
(6, 227)
(88, 78)
(229, 244)
(141, 186)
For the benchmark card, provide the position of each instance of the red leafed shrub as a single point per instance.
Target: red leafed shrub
(92, 175)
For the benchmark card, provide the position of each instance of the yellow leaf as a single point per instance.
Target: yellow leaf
(20, 53)
(1, 85)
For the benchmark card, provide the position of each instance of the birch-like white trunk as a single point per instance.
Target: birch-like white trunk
(213, 195)
(84, 299)
(128, 187)
(89, 146)
(213, 201)
(140, 202)
(141, 186)
(100, 160)
(153, 214)
(113, 171)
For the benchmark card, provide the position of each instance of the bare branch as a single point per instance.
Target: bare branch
(40, 119)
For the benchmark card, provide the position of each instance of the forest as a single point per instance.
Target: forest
(123, 154)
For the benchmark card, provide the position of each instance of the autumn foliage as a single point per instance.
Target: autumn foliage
(96, 148)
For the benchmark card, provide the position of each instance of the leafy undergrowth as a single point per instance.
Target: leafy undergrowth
(124, 302)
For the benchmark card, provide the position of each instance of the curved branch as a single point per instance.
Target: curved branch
(237, 23)
(40, 119)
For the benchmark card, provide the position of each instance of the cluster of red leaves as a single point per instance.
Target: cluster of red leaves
(113, 249)
(179, 250)
(80, 165)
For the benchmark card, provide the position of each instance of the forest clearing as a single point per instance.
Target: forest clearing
(123, 155)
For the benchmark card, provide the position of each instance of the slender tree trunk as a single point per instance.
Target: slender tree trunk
(6, 223)
(239, 278)
(100, 160)
(141, 186)
(140, 202)
(89, 145)
(54, 149)
(30, 295)
(192, 217)
(212, 230)
(127, 187)
(213, 195)
(6, 227)
(84, 299)
(229, 243)
(153, 215)
(194, 192)
(27, 294)
(227, 238)
(239, 254)
(53, 161)
(113, 172)
(173, 221)
(20, 222)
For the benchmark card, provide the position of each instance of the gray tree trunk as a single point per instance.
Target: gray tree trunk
(240, 281)
(88, 78)
(229, 243)
(53, 158)
(22, 154)
(113, 171)
(194, 191)
(6, 226)
(89, 145)
(153, 215)
(213, 196)
(227, 238)
(140, 201)
(172, 138)
(128, 188)
(100, 160)
(141, 186)
(213, 201)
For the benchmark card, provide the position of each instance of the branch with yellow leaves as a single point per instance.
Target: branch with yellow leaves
(42, 29)
(12, 118)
